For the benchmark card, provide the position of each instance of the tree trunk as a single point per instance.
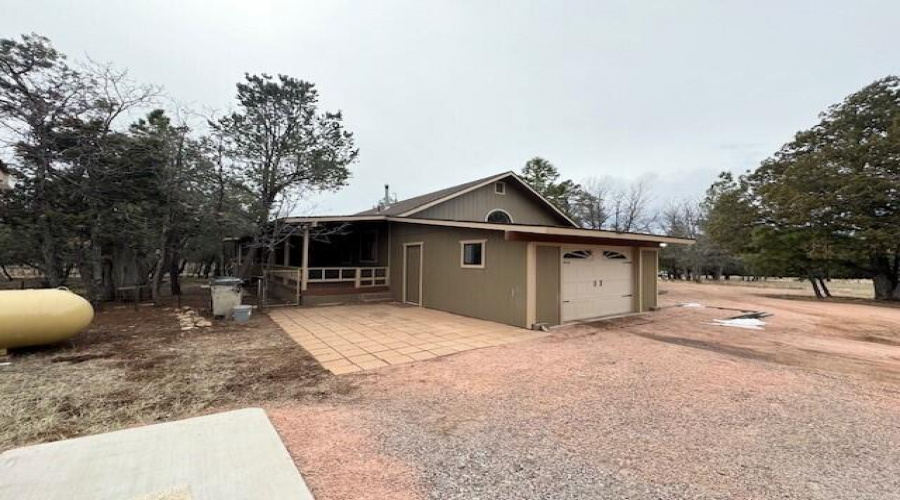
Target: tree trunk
(160, 262)
(886, 288)
(887, 277)
(52, 271)
(824, 288)
(49, 251)
(94, 282)
(815, 287)
(175, 274)
(109, 281)
(175, 267)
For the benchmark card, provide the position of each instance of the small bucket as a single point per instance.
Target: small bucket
(241, 313)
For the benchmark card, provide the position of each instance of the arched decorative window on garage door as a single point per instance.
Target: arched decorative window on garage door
(578, 254)
(611, 255)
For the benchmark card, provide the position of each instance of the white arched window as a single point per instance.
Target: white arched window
(498, 216)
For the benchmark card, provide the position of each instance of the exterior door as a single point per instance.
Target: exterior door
(412, 274)
(596, 282)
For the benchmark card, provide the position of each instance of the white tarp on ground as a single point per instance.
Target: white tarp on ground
(748, 323)
(226, 456)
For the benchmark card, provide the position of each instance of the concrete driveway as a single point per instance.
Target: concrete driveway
(351, 338)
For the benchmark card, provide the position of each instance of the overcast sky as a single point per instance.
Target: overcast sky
(439, 93)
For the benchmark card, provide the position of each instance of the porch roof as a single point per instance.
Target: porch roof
(524, 232)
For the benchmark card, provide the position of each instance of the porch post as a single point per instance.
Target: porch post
(638, 288)
(304, 277)
(530, 284)
(286, 258)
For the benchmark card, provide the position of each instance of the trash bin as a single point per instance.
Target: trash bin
(226, 294)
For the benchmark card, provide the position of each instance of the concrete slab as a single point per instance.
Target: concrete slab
(226, 456)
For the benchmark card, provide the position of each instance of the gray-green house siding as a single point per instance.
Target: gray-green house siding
(495, 293)
(521, 205)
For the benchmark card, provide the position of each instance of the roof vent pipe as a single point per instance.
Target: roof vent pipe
(387, 194)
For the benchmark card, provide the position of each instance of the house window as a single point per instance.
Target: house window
(368, 249)
(498, 216)
(472, 254)
(499, 188)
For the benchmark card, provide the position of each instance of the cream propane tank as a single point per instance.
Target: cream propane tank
(37, 317)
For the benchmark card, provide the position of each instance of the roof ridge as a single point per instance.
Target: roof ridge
(414, 202)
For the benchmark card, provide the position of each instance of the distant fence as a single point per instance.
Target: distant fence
(22, 273)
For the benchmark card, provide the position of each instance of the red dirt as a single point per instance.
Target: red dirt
(853, 338)
(661, 405)
(335, 451)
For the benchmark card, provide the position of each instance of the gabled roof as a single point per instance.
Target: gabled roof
(408, 204)
(411, 206)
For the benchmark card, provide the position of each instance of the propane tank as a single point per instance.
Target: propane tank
(37, 317)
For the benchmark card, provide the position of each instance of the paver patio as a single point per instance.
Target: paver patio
(351, 338)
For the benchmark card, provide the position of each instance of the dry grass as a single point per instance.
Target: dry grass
(138, 367)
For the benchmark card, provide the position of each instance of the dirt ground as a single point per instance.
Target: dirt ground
(662, 405)
(855, 288)
(134, 367)
(852, 336)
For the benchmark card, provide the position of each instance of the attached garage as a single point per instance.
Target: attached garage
(575, 281)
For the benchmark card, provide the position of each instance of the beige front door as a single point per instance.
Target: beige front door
(412, 274)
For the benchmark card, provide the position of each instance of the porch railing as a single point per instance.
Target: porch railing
(285, 274)
(361, 277)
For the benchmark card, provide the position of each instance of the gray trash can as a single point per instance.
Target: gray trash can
(226, 294)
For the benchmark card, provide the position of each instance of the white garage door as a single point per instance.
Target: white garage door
(596, 282)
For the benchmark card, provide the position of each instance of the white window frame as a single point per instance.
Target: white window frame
(502, 186)
(462, 254)
(488, 216)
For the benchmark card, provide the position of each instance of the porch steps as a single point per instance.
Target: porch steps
(376, 297)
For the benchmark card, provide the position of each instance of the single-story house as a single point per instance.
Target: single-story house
(493, 249)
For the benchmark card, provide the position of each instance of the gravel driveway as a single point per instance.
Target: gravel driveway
(597, 412)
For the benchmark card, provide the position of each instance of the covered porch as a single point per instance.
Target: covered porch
(328, 260)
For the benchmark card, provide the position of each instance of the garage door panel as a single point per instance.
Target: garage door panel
(596, 282)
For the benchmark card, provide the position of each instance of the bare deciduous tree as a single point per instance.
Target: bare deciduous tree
(608, 203)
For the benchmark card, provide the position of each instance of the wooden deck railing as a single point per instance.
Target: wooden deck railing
(361, 277)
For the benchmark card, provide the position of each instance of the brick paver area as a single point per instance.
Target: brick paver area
(351, 338)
